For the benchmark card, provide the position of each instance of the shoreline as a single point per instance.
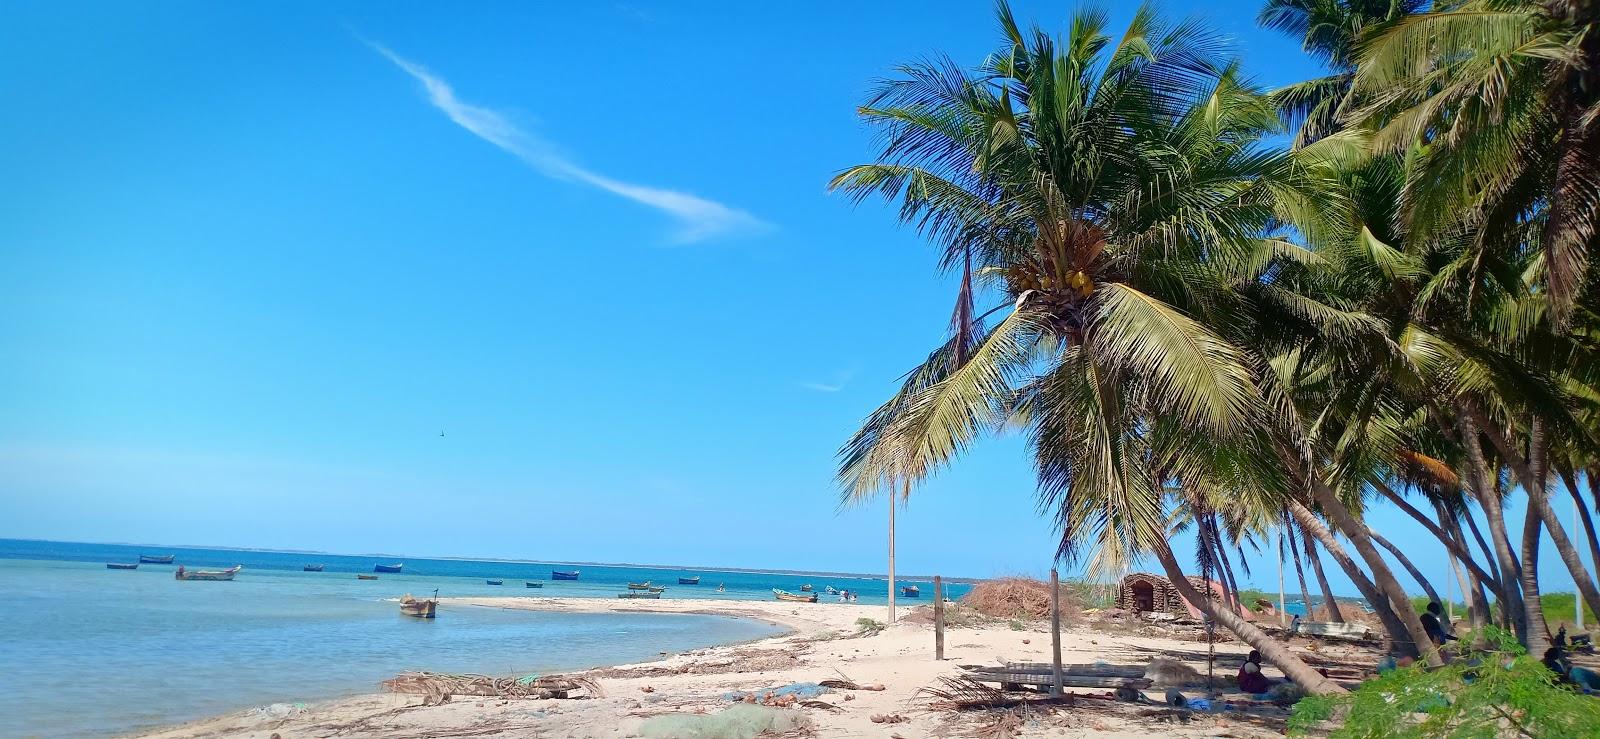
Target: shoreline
(820, 642)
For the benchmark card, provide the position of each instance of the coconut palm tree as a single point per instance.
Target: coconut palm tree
(1092, 185)
(1329, 31)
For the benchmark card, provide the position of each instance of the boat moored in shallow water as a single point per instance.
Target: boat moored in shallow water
(366, 577)
(215, 575)
(911, 591)
(689, 580)
(494, 582)
(157, 559)
(312, 568)
(533, 584)
(794, 597)
(410, 606)
(567, 575)
(121, 566)
(396, 567)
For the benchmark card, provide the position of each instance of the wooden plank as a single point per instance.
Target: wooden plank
(1332, 629)
(1047, 680)
(938, 618)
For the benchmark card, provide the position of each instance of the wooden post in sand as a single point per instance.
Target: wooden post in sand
(892, 501)
(1055, 633)
(938, 618)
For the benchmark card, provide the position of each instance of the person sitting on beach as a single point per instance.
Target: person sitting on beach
(1430, 624)
(1583, 678)
(1250, 678)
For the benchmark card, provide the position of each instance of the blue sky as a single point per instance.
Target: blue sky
(258, 257)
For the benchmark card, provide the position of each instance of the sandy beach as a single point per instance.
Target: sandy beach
(822, 644)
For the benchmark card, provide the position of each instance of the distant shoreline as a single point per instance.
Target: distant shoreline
(505, 560)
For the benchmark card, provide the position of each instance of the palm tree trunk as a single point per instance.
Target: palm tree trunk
(1271, 649)
(1450, 542)
(1299, 571)
(1494, 517)
(1496, 584)
(1416, 574)
(1532, 480)
(1477, 601)
(1381, 607)
(1570, 479)
(1382, 576)
(1538, 629)
(1328, 602)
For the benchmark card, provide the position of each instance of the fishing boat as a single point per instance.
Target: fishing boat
(494, 582)
(806, 588)
(829, 590)
(656, 590)
(388, 568)
(689, 580)
(157, 559)
(911, 591)
(366, 577)
(533, 584)
(559, 575)
(639, 585)
(227, 574)
(312, 568)
(410, 606)
(121, 566)
(639, 594)
(794, 597)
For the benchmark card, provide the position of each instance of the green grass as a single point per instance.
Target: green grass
(1558, 609)
(1420, 602)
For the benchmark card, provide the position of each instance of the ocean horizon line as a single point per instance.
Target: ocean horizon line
(509, 560)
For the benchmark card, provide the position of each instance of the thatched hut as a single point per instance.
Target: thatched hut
(1142, 592)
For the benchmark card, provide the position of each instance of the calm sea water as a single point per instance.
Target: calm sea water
(92, 652)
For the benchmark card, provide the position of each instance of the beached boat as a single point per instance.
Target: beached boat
(121, 566)
(911, 591)
(312, 568)
(533, 584)
(639, 585)
(410, 606)
(388, 568)
(494, 582)
(806, 588)
(157, 559)
(689, 580)
(639, 594)
(559, 575)
(183, 574)
(794, 597)
(366, 577)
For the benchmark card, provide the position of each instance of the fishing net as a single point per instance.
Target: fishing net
(742, 721)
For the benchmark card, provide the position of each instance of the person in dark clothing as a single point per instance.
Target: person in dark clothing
(1250, 678)
(1430, 624)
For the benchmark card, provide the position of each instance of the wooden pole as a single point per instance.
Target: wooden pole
(938, 618)
(1577, 617)
(1283, 609)
(892, 502)
(1055, 633)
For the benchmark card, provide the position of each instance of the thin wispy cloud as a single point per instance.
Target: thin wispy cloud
(699, 218)
(839, 381)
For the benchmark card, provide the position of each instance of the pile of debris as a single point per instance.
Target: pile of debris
(437, 688)
(1018, 598)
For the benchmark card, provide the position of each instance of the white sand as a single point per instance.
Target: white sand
(900, 658)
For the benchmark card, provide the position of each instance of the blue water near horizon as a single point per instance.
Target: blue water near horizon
(94, 652)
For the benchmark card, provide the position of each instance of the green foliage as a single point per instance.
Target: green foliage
(1017, 625)
(1558, 609)
(1501, 692)
(869, 626)
(1420, 602)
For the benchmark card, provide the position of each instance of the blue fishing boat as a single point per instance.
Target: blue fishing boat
(494, 582)
(312, 568)
(121, 566)
(157, 559)
(689, 580)
(388, 568)
(559, 575)
(534, 584)
(911, 591)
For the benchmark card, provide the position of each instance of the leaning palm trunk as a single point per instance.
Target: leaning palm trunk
(1532, 481)
(1450, 541)
(1329, 604)
(1494, 517)
(1299, 571)
(1569, 479)
(1271, 649)
(1380, 604)
(1383, 577)
(1405, 562)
